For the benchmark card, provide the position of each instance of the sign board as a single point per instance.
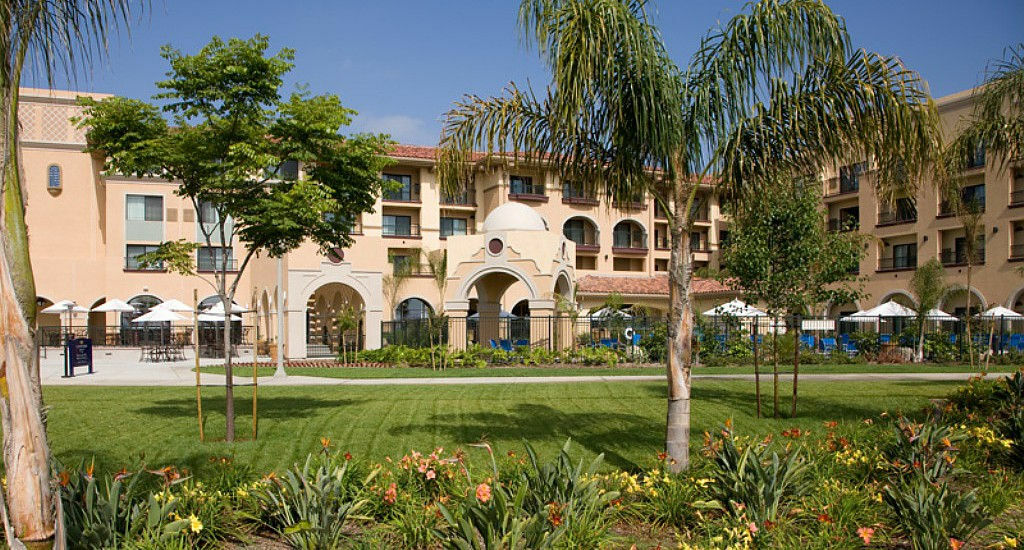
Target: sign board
(77, 353)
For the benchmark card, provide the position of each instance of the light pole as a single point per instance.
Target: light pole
(279, 371)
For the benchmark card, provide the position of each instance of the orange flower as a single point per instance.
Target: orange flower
(865, 534)
(325, 442)
(65, 478)
(121, 475)
(662, 456)
(348, 456)
(955, 544)
(824, 518)
(555, 514)
(483, 493)
(831, 424)
(728, 424)
(391, 494)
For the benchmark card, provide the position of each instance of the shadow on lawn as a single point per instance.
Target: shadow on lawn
(596, 432)
(269, 407)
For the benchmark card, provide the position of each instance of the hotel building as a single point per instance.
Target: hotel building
(516, 237)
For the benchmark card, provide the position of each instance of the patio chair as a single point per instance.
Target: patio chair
(952, 337)
(609, 343)
(827, 345)
(494, 344)
(522, 343)
(885, 338)
(851, 348)
(506, 345)
(1017, 342)
(807, 340)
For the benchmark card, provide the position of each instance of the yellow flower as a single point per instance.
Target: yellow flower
(1010, 542)
(194, 524)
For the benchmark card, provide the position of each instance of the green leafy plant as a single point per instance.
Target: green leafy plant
(309, 506)
(932, 516)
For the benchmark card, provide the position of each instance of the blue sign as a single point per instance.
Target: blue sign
(77, 353)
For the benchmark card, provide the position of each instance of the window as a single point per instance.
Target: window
(628, 234)
(53, 177)
(904, 256)
(453, 226)
(144, 208)
(523, 185)
(580, 231)
(977, 158)
(407, 192)
(723, 238)
(975, 195)
(211, 258)
(397, 225)
(131, 257)
(849, 176)
(287, 170)
(412, 309)
(575, 190)
(695, 242)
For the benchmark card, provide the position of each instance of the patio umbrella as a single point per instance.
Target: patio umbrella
(1000, 312)
(610, 312)
(171, 305)
(215, 318)
(856, 318)
(159, 316)
(218, 309)
(115, 305)
(736, 308)
(889, 309)
(936, 314)
(65, 306)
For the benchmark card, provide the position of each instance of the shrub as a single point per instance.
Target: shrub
(308, 506)
(750, 482)
(932, 516)
(925, 449)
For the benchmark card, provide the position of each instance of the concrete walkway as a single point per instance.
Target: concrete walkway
(123, 368)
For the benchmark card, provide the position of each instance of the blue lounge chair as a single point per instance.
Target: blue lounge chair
(506, 345)
(522, 343)
(610, 343)
(827, 345)
(885, 338)
(851, 348)
(494, 344)
(807, 340)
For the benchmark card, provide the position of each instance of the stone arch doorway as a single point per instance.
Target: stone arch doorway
(955, 302)
(490, 323)
(324, 308)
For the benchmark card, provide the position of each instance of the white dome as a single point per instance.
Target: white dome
(513, 216)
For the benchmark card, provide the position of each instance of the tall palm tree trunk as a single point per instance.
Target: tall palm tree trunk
(680, 334)
(30, 504)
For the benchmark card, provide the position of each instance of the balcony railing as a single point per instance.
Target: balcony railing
(701, 214)
(898, 263)
(630, 205)
(462, 198)
(1017, 198)
(629, 245)
(950, 257)
(132, 263)
(847, 186)
(584, 241)
(215, 264)
(1017, 252)
(405, 194)
(662, 243)
(893, 217)
(400, 230)
(576, 194)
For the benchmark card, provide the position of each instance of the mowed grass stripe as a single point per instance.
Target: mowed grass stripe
(622, 419)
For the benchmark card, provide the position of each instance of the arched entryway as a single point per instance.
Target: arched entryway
(137, 334)
(328, 309)
(955, 302)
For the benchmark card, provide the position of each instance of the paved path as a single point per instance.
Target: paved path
(124, 369)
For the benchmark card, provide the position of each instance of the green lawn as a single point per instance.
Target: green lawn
(116, 426)
(419, 372)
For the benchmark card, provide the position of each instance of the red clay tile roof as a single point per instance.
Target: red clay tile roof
(656, 285)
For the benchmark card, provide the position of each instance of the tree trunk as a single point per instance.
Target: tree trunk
(967, 318)
(920, 341)
(757, 369)
(775, 366)
(796, 363)
(30, 501)
(229, 381)
(680, 333)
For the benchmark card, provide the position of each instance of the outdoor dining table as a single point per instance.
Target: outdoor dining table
(163, 352)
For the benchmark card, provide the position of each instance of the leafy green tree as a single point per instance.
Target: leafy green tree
(437, 263)
(49, 35)
(928, 286)
(777, 88)
(346, 320)
(781, 253)
(232, 135)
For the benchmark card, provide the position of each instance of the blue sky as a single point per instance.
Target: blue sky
(401, 63)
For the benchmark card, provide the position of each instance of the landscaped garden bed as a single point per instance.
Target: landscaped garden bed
(848, 472)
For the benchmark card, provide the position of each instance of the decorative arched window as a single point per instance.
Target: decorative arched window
(53, 177)
(629, 234)
(581, 231)
(142, 304)
(412, 309)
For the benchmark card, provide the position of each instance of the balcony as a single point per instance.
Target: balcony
(212, 264)
(575, 194)
(701, 215)
(462, 198)
(630, 205)
(409, 193)
(401, 230)
(632, 245)
(952, 258)
(659, 211)
(847, 186)
(662, 242)
(585, 242)
(1017, 198)
(1017, 252)
(900, 263)
(896, 217)
(132, 263)
(527, 197)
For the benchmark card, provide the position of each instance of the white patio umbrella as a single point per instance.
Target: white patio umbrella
(936, 314)
(159, 316)
(857, 317)
(1000, 312)
(172, 305)
(115, 305)
(218, 309)
(65, 306)
(610, 312)
(215, 318)
(889, 309)
(736, 308)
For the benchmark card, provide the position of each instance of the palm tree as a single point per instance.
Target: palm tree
(777, 89)
(52, 34)
(928, 286)
(437, 262)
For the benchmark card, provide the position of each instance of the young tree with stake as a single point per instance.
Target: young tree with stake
(231, 136)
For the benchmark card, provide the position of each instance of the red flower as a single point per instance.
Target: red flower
(824, 518)
(348, 456)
